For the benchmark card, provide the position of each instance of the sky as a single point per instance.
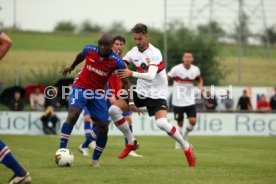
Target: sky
(43, 15)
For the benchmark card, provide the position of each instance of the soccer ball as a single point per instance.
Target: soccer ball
(64, 157)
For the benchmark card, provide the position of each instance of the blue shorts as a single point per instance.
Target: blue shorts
(95, 104)
(127, 113)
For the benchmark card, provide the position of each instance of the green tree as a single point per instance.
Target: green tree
(88, 26)
(269, 35)
(242, 29)
(212, 29)
(117, 28)
(65, 26)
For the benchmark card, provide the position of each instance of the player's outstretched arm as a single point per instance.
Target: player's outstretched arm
(5, 44)
(150, 75)
(79, 58)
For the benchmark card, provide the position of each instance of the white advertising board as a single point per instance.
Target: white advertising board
(245, 124)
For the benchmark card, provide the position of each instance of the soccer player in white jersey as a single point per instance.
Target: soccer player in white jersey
(151, 91)
(184, 75)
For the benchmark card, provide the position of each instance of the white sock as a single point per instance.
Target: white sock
(171, 130)
(124, 127)
(189, 128)
(121, 123)
(180, 129)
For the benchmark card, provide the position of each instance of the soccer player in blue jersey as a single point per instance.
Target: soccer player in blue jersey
(88, 91)
(114, 85)
(6, 157)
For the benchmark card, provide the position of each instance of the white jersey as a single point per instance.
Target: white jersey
(156, 88)
(183, 93)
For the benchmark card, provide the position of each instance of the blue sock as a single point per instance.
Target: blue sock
(90, 135)
(100, 145)
(9, 161)
(93, 125)
(87, 125)
(65, 133)
(87, 129)
(130, 127)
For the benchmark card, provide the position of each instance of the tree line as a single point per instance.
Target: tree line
(212, 29)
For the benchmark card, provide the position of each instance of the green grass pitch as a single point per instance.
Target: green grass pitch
(221, 160)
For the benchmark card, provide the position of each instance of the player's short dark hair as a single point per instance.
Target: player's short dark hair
(188, 51)
(120, 38)
(140, 28)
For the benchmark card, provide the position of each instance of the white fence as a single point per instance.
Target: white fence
(251, 124)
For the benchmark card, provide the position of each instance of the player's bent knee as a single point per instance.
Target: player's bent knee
(87, 118)
(162, 123)
(115, 113)
(103, 130)
(192, 121)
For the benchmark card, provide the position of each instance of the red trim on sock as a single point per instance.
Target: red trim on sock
(120, 122)
(172, 131)
(3, 152)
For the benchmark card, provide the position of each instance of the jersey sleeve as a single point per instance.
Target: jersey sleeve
(198, 74)
(120, 64)
(156, 58)
(89, 48)
(128, 58)
(171, 73)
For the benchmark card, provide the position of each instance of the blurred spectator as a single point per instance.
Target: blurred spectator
(49, 121)
(54, 100)
(17, 103)
(228, 102)
(199, 103)
(263, 105)
(37, 100)
(210, 101)
(273, 101)
(244, 102)
(49, 118)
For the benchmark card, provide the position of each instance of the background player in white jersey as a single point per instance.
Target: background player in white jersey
(151, 90)
(184, 75)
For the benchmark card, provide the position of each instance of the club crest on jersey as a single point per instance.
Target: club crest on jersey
(191, 75)
(187, 78)
(143, 66)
